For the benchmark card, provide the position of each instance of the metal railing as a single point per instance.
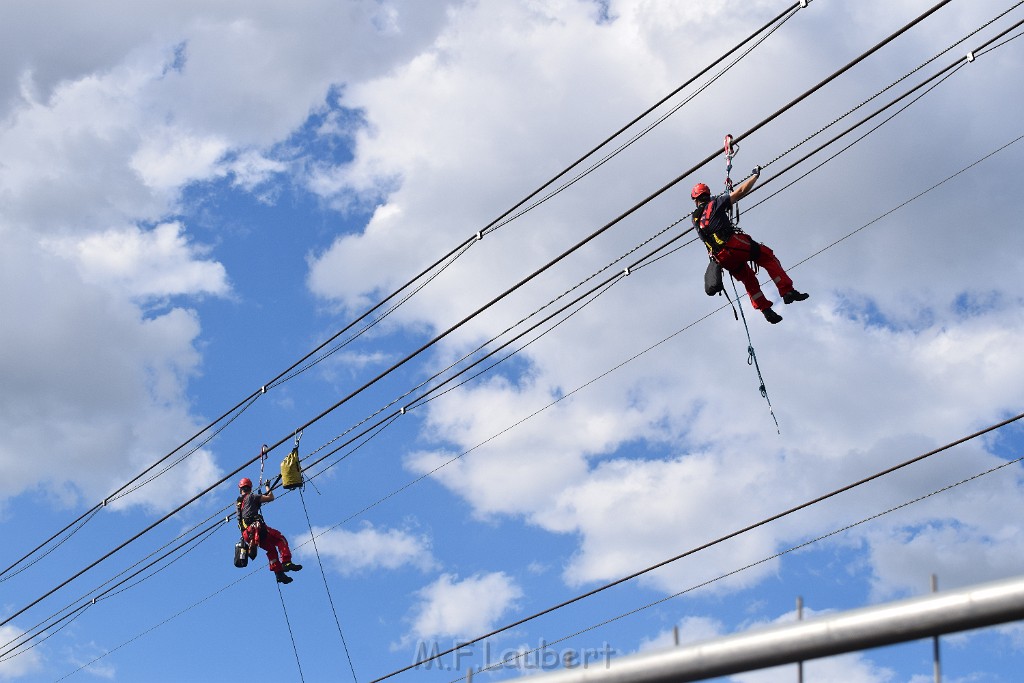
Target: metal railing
(928, 616)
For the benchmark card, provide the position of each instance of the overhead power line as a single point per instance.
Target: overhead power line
(76, 612)
(492, 302)
(940, 183)
(835, 532)
(440, 262)
(705, 546)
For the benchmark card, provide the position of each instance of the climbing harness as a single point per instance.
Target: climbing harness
(247, 550)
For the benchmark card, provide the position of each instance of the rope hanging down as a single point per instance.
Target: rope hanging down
(312, 537)
(752, 360)
(18, 611)
(731, 150)
(291, 634)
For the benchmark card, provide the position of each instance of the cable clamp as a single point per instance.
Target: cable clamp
(93, 601)
(970, 57)
(626, 271)
(401, 411)
(263, 389)
(105, 502)
(804, 3)
(479, 235)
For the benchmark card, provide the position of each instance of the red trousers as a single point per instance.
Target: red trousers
(734, 256)
(271, 540)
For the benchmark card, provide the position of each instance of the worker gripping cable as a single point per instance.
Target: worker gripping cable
(257, 534)
(729, 247)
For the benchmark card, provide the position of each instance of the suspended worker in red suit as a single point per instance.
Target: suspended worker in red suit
(256, 533)
(734, 250)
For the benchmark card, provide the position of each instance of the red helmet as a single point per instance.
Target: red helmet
(246, 482)
(699, 190)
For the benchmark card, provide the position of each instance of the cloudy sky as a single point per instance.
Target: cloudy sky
(195, 195)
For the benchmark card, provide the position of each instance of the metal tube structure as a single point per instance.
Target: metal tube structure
(936, 658)
(897, 622)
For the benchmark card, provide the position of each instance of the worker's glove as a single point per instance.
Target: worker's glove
(756, 171)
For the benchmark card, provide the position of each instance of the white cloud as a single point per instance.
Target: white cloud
(369, 549)
(455, 608)
(25, 663)
(251, 169)
(908, 340)
(169, 158)
(154, 263)
(106, 117)
(103, 384)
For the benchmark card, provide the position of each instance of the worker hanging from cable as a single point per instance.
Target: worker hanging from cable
(257, 534)
(731, 248)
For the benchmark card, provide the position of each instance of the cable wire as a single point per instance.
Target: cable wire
(943, 181)
(781, 553)
(512, 289)
(294, 369)
(896, 82)
(666, 339)
(941, 77)
(291, 635)
(327, 588)
(709, 544)
(791, 12)
(46, 624)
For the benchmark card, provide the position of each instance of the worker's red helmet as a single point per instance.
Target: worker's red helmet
(699, 190)
(246, 482)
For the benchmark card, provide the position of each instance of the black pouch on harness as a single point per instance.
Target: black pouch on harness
(241, 554)
(713, 278)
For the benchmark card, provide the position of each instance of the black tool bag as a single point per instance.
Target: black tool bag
(713, 278)
(241, 554)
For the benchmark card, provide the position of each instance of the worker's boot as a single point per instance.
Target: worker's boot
(793, 295)
(771, 316)
(283, 578)
(292, 567)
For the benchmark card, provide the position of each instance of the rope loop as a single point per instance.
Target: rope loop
(263, 460)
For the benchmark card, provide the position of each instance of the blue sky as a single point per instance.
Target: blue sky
(193, 197)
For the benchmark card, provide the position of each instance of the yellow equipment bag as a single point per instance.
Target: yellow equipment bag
(291, 470)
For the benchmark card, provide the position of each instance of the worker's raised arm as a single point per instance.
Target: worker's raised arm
(744, 188)
(268, 496)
